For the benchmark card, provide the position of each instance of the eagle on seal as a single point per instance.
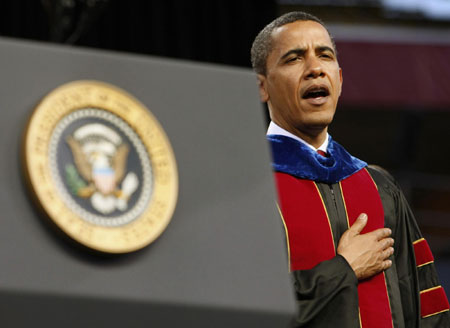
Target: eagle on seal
(100, 157)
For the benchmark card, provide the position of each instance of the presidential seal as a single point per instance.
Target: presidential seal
(101, 167)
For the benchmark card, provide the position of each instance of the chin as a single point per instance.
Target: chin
(319, 121)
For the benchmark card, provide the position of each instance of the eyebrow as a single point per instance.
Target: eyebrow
(301, 51)
(325, 48)
(296, 51)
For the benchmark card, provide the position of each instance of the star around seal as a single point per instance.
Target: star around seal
(101, 167)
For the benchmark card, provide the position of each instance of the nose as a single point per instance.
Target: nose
(314, 68)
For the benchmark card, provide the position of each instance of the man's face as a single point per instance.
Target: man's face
(303, 79)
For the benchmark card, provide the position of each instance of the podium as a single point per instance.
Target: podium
(221, 262)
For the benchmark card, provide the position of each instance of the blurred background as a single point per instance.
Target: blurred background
(395, 55)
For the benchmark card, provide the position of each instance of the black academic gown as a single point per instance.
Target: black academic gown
(327, 294)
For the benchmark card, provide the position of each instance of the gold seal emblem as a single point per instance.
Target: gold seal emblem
(101, 166)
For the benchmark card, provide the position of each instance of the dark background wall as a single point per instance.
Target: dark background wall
(213, 31)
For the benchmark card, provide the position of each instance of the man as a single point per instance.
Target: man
(341, 216)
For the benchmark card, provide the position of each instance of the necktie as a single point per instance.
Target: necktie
(321, 152)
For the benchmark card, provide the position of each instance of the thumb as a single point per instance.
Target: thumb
(360, 223)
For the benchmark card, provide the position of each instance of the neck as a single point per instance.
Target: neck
(314, 140)
(314, 136)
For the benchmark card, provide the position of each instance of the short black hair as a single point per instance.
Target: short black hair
(262, 45)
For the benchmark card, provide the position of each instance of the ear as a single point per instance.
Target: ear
(262, 87)
(342, 80)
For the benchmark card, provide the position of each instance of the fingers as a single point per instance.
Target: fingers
(359, 224)
(384, 232)
(387, 252)
(385, 248)
(386, 264)
(381, 233)
(368, 253)
(386, 242)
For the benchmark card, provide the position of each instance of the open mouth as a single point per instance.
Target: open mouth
(316, 92)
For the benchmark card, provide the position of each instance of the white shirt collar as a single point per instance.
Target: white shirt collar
(276, 129)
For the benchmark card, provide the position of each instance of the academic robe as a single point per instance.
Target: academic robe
(319, 199)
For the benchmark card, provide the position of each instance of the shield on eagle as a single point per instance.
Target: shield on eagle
(100, 158)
